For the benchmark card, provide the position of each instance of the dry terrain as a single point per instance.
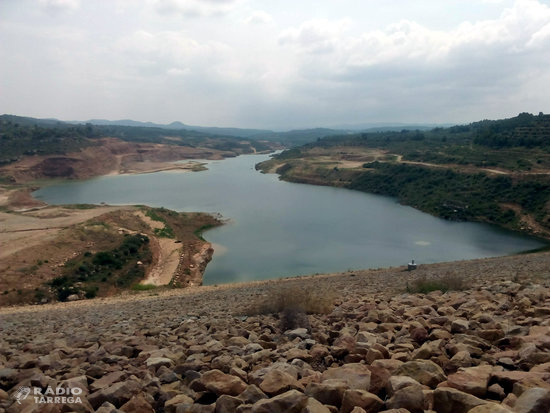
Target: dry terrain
(36, 240)
(353, 342)
(37, 243)
(108, 156)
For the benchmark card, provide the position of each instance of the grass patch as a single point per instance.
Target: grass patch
(143, 287)
(166, 231)
(80, 206)
(447, 283)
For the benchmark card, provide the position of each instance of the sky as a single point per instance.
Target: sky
(275, 64)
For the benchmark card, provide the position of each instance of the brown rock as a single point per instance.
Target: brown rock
(391, 365)
(409, 397)
(534, 400)
(296, 353)
(107, 380)
(356, 375)
(419, 334)
(528, 383)
(329, 392)
(448, 400)
(137, 404)
(117, 394)
(252, 394)
(227, 404)
(171, 406)
(491, 335)
(313, 406)
(490, 408)
(462, 359)
(277, 382)
(507, 379)
(459, 326)
(496, 392)
(396, 383)
(371, 403)
(473, 380)
(220, 383)
(290, 402)
(424, 371)
(378, 379)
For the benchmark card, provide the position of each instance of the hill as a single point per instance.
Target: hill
(488, 171)
(21, 136)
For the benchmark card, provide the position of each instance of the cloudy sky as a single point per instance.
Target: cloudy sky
(275, 63)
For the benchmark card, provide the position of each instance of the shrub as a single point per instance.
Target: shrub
(423, 285)
(292, 304)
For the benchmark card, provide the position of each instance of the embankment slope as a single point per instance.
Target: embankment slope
(375, 347)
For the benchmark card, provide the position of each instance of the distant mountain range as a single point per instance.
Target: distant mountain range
(293, 137)
(289, 138)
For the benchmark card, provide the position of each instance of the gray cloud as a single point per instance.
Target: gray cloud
(269, 66)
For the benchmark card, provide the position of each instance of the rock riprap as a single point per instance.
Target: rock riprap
(378, 349)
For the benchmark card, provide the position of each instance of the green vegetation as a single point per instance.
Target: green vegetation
(143, 287)
(28, 136)
(117, 268)
(166, 231)
(458, 196)
(488, 171)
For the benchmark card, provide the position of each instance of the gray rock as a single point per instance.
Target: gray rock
(534, 400)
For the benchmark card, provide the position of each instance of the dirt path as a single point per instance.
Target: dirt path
(24, 230)
(167, 255)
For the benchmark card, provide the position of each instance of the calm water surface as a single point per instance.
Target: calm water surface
(280, 229)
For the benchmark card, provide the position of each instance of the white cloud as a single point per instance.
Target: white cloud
(316, 36)
(196, 8)
(59, 5)
(259, 17)
(525, 25)
(271, 64)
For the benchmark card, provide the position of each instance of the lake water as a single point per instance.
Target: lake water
(279, 229)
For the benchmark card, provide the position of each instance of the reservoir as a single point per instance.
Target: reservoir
(277, 229)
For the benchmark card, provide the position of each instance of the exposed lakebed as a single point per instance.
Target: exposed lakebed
(279, 229)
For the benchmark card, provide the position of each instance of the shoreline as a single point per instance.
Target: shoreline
(508, 268)
(198, 258)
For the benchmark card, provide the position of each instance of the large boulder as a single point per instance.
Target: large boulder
(409, 397)
(423, 371)
(473, 380)
(329, 392)
(277, 382)
(534, 400)
(290, 402)
(356, 375)
(449, 400)
(220, 383)
(369, 402)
